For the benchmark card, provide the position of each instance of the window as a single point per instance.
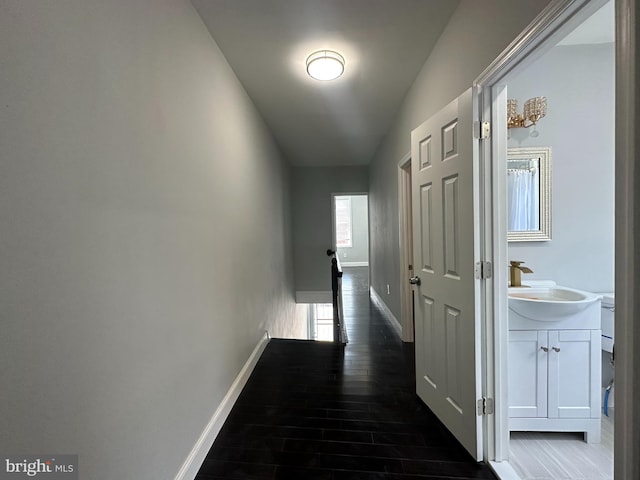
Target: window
(343, 221)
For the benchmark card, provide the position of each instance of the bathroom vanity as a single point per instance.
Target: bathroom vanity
(555, 361)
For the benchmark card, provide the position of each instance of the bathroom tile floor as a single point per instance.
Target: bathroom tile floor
(317, 410)
(556, 456)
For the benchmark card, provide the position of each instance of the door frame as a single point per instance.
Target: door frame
(406, 247)
(555, 20)
(627, 268)
(333, 221)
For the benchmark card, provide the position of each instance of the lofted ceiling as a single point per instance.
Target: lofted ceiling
(384, 42)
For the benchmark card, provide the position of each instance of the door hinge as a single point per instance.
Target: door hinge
(485, 406)
(483, 270)
(483, 130)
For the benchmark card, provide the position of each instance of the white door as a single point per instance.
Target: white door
(445, 240)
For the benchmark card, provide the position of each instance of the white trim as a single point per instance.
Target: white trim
(377, 299)
(479, 239)
(314, 297)
(405, 247)
(354, 264)
(196, 457)
(499, 428)
(504, 471)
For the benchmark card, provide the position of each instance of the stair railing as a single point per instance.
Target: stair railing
(339, 332)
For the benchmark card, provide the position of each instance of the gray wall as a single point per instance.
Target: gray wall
(311, 215)
(578, 82)
(476, 34)
(139, 189)
(358, 252)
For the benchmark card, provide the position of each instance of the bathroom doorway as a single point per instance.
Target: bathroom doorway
(580, 253)
(574, 69)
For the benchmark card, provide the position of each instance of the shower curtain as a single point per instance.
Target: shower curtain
(524, 200)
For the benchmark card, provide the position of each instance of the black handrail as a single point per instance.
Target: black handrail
(336, 273)
(339, 334)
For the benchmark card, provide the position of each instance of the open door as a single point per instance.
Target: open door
(446, 233)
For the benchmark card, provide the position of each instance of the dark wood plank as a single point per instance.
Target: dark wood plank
(317, 410)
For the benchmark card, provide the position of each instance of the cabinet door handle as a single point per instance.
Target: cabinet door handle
(544, 349)
(556, 349)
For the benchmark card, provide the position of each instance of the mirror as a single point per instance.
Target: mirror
(529, 194)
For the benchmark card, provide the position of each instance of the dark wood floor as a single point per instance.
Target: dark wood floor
(316, 410)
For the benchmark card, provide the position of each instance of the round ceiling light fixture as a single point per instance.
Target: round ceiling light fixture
(325, 65)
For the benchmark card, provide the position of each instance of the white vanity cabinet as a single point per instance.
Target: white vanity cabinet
(554, 377)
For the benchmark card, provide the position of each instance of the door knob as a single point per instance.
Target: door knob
(414, 280)
(544, 349)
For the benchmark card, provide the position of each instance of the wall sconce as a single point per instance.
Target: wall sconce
(534, 109)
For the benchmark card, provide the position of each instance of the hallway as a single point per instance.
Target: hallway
(316, 410)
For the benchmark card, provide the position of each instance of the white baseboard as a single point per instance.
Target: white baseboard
(377, 299)
(199, 451)
(504, 470)
(354, 264)
(314, 297)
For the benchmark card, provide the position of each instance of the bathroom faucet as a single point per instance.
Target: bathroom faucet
(515, 271)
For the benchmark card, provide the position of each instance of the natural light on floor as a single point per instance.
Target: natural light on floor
(321, 321)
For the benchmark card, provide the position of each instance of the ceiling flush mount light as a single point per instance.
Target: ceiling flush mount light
(325, 65)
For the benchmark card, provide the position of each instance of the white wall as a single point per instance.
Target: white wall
(145, 243)
(311, 189)
(358, 252)
(476, 34)
(578, 82)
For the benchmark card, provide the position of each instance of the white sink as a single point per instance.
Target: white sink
(549, 304)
